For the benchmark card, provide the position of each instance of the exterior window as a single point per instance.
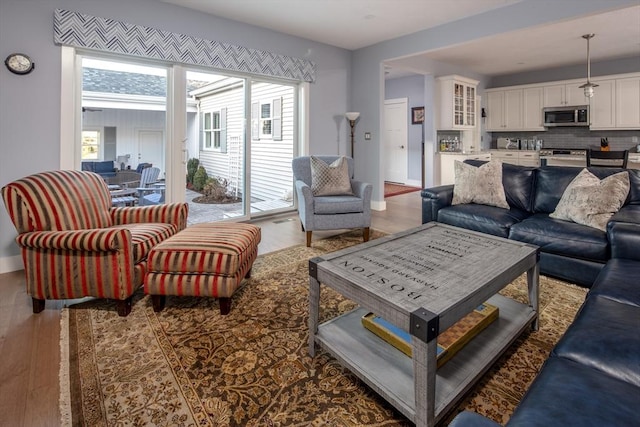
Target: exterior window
(265, 120)
(90, 144)
(212, 129)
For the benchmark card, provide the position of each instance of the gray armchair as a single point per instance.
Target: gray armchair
(331, 212)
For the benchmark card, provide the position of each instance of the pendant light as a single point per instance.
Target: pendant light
(588, 86)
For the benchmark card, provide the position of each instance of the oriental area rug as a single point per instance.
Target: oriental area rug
(190, 366)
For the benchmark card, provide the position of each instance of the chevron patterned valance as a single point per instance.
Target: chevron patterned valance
(80, 30)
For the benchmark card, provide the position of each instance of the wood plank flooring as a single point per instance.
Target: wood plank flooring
(29, 344)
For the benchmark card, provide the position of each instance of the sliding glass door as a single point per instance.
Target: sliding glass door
(215, 147)
(123, 127)
(228, 155)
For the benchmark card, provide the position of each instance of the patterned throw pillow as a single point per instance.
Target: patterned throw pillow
(481, 185)
(589, 201)
(330, 180)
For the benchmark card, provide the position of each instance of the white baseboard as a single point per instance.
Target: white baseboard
(413, 183)
(378, 205)
(10, 263)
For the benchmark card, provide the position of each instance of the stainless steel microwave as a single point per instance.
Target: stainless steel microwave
(566, 116)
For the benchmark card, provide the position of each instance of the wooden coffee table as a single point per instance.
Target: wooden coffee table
(423, 280)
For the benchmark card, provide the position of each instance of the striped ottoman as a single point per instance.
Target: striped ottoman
(202, 260)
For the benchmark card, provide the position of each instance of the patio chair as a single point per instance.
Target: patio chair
(74, 244)
(148, 193)
(331, 212)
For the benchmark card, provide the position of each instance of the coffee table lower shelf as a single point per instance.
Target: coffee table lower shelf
(389, 372)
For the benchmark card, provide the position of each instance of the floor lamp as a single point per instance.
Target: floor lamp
(352, 117)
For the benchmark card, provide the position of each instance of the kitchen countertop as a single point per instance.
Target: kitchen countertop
(460, 153)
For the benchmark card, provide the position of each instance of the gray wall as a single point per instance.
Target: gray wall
(30, 105)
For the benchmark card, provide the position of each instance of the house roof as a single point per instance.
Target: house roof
(108, 81)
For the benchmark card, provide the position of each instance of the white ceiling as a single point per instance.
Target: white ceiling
(352, 24)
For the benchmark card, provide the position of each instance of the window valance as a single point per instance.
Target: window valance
(86, 31)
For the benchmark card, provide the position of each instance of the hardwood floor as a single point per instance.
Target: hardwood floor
(29, 344)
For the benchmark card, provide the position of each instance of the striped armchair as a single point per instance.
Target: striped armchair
(74, 244)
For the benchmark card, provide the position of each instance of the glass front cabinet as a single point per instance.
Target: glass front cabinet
(456, 102)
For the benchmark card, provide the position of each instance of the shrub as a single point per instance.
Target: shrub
(192, 167)
(216, 188)
(200, 178)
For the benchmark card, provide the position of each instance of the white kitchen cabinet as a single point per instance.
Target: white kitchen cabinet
(447, 162)
(504, 110)
(558, 95)
(628, 103)
(602, 113)
(456, 101)
(505, 156)
(532, 101)
(517, 157)
(529, 158)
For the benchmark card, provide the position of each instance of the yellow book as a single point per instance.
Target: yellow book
(449, 342)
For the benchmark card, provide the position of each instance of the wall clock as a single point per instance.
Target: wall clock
(19, 63)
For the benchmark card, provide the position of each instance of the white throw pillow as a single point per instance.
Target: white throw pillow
(330, 180)
(481, 185)
(590, 201)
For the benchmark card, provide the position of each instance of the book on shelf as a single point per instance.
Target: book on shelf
(449, 341)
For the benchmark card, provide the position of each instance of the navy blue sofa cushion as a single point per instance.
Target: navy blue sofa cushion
(562, 237)
(566, 393)
(486, 219)
(619, 280)
(600, 337)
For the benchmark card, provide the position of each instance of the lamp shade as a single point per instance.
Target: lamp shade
(352, 115)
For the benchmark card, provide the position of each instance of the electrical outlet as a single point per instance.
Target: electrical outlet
(634, 139)
(367, 136)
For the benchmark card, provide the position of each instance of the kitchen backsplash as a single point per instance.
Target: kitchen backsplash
(576, 137)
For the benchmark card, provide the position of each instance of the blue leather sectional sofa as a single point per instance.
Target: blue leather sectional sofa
(592, 377)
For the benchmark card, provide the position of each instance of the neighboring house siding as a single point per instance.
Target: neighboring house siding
(216, 163)
(271, 176)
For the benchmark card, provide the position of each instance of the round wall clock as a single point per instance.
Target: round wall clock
(19, 63)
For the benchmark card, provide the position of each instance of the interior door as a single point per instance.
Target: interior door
(395, 140)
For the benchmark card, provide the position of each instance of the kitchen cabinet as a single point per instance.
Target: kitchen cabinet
(517, 157)
(564, 94)
(504, 110)
(532, 101)
(456, 100)
(602, 113)
(447, 162)
(615, 104)
(514, 110)
(628, 103)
